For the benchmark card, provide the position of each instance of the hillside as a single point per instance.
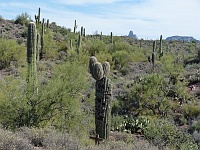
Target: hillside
(181, 38)
(156, 93)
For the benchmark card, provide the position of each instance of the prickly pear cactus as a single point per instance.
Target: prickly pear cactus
(103, 97)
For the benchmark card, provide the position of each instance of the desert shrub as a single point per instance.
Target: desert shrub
(196, 126)
(9, 140)
(48, 138)
(119, 145)
(58, 102)
(146, 96)
(121, 58)
(120, 46)
(163, 133)
(23, 19)
(11, 51)
(196, 137)
(191, 111)
(94, 48)
(50, 47)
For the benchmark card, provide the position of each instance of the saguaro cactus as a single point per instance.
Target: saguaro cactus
(38, 47)
(31, 57)
(42, 41)
(79, 43)
(71, 44)
(37, 17)
(81, 31)
(47, 23)
(75, 26)
(153, 54)
(160, 48)
(84, 32)
(103, 97)
(101, 36)
(111, 38)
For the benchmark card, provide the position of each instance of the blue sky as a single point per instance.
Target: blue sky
(148, 19)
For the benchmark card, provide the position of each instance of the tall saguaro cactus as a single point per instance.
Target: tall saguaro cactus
(31, 57)
(42, 41)
(79, 43)
(153, 54)
(111, 38)
(75, 26)
(103, 97)
(160, 48)
(38, 47)
(37, 17)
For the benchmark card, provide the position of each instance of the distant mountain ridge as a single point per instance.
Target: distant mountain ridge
(181, 38)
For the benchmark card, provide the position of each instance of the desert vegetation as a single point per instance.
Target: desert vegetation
(47, 94)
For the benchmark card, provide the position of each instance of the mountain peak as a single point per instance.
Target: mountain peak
(132, 35)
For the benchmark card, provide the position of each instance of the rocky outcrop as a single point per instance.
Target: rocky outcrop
(132, 35)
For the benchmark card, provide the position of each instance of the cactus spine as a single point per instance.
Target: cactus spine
(31, 57)
(103, 97)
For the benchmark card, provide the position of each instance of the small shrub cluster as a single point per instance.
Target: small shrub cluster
(23, 19)
(165, 134)
(10, 141)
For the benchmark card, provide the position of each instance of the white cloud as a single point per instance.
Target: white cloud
(147, 18)
(82, 2)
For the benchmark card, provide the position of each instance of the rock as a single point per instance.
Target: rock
(132, 35)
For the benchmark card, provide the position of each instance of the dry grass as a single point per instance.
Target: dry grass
(51, 139)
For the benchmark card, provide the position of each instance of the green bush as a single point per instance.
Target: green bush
(11, 51)
(58, 101)
(163, 133)
(191, 111)
(121, 58)
(23, 19)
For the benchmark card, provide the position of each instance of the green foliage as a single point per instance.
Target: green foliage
(163, 133)
(50, 47)
(23, 19)
(147, 96)
(11, 51)
(121, 58)
(191, 111)
(122, 123)
(57, 102)
(196, 126)
(169, 65)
